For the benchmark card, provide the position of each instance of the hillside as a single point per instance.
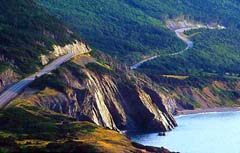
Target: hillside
(118, 29)
(26, 32)
(82, 105)
(214, 51)
(221, 11)
(213, 58)
(115, 27)
(26, 127)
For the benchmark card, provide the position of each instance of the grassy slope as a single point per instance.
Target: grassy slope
(26, 31)
(26, 127)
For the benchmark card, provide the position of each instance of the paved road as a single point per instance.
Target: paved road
(14, 90)
(179, 33)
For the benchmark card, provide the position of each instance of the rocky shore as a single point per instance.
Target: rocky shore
(208, 110)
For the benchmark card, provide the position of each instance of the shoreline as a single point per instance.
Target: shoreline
(208, 110)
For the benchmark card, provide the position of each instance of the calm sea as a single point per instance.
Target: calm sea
(199, 133)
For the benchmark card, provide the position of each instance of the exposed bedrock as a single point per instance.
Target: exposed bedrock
(110, 102)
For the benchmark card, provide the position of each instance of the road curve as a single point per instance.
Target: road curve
(14, 90)
(179, 33)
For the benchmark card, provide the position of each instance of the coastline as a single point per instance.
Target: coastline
(208, 110)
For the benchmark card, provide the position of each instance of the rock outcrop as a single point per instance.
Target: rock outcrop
(7, 77)
(192, 93)
(110, 101)
(77, 47)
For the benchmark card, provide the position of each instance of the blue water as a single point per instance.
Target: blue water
(199, 133)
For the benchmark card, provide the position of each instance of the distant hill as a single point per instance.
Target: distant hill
(223, 11)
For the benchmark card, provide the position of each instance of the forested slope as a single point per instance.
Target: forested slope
(131, 28)
(116, 27)
(26, 32)
(223, 11)
(214, 51)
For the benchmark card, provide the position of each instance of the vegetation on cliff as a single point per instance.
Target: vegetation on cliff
(201, 91)
(26, 32)
(116, 27)
(132, 29)
(26, 127)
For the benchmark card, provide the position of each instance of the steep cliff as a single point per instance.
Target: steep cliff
(94, 91)
(217, 93)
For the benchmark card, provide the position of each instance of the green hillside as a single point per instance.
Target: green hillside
(116, 27)
(213, 52)
(128, 29)
(225, 12)
(26, 31)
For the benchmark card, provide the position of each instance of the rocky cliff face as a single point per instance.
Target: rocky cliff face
(109, 100)
(217, 93)
(77, 47)
(7, 77)
(185, 95)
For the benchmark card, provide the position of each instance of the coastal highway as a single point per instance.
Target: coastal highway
(180, 35)
(16, 89)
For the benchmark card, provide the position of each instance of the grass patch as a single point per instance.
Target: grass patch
(76, 70)
(26, 127)
(50, 80)
(99, 68)
(176, 77)
(3, 67)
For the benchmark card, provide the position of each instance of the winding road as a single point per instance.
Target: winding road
(180, 35)
(17, 88)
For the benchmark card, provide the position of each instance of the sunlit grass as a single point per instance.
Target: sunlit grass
(176, 77)
(26, 126)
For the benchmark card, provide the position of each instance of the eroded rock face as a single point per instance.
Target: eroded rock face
(77, 47)
(7, 78)
(106, 101)
(110, 100)
(44, 59)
